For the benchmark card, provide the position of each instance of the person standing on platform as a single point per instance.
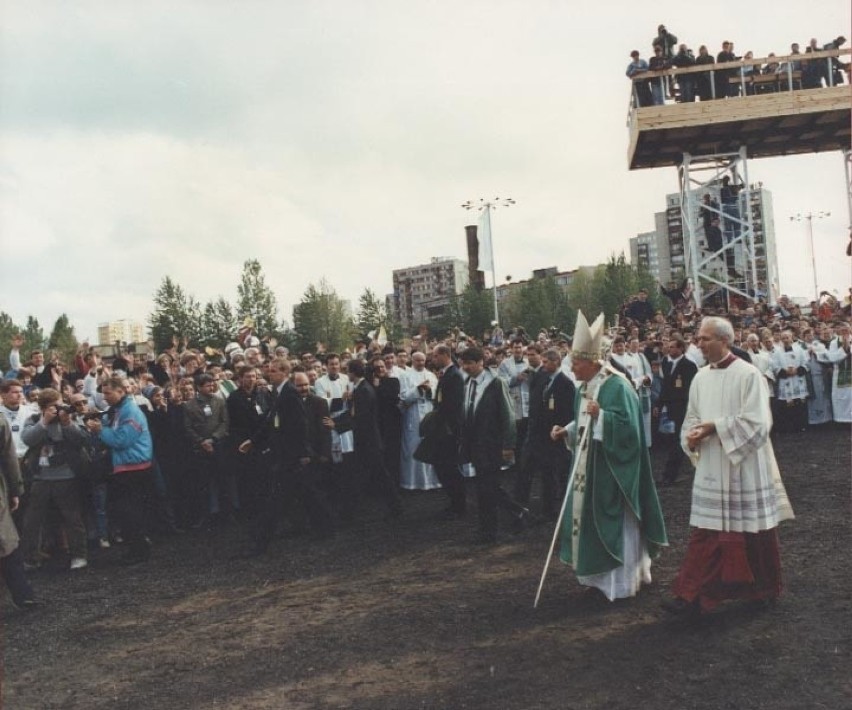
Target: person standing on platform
(738, 498)
(704, 81)
(488, 441)
(612, 524)
(641, 87)
(678, 371)
(416, 398)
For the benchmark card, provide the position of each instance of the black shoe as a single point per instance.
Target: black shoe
(522, 521)
(681, 607)
(28, 605)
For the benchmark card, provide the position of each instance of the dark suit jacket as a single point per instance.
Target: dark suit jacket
(389, 414)
(243, 417)
(550, 405)
(449, 415)
(362, 419)
(319, 437)
(492, 429)
(285, 428)
(672, 397)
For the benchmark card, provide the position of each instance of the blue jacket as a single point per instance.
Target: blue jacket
(125, 433)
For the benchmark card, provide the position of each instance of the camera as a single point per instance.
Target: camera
(60, 407)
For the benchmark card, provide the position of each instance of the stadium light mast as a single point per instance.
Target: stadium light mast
(810, 216)
(484, 207)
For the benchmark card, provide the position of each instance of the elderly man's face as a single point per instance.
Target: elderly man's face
(418, 361)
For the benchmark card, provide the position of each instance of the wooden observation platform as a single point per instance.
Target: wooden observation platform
(709, 142)
(781, 123)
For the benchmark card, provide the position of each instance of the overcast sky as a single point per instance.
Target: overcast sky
(339, 139)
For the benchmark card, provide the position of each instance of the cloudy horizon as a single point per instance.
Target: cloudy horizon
(338, 140)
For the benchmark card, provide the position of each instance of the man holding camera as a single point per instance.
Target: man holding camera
(54, 440)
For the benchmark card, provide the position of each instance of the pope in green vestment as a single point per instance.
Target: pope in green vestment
(613, 486)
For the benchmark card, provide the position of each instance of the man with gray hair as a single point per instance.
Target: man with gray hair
(738, 498)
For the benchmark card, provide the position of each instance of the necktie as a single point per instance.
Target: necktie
(470, 402)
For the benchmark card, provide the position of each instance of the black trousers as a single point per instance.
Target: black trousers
(372, 468)
(12, 569)
(130, 495)
(293, 491)
(452, 481)
(553, 461)
(490, 498)
(675, 458)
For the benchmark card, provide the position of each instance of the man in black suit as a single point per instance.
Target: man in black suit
(387, 390)
(551, 404)
(488, 441)
(310, 478)
(363, 420)
(285, 432)
(247, 407)
(448, 413)
(678, 372)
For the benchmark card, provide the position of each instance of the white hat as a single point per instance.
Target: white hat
(588, 339)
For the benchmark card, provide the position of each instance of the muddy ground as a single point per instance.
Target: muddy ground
(412, 615)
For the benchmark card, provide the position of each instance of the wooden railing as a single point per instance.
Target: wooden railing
(737, 69)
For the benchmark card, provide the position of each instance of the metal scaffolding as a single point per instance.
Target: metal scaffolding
(736, 267)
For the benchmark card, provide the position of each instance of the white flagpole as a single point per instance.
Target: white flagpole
(491, 254)
(578, 451)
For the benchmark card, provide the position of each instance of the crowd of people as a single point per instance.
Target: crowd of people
(720, 83)
(117, 451)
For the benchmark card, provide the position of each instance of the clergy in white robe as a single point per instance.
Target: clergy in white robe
(643, 376)
(418, 390)
(738, 498)
(819, 387)
(790, 363)
(841, 379)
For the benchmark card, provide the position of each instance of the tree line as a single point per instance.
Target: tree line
(323, 317)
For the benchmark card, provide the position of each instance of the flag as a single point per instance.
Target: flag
(486, 249)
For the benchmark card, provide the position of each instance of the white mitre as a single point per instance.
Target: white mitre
(588, 340)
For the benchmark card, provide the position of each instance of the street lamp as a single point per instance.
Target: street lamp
(485, 206)
(810, 216)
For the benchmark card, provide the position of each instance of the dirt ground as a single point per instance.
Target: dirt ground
(412, 615)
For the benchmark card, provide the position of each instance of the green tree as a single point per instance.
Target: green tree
(321, 317)
(582, 292)
(8, 330)
(372, 314)
(219, 323)
(540, 303)
(33, 338)
(474, 311)
(63, 340)
(176, 314)
(256, 299)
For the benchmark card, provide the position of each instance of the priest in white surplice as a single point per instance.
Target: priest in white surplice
(418, 389)
(841, 389)
(738, 498)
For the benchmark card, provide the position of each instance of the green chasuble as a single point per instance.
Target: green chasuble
(617, 474)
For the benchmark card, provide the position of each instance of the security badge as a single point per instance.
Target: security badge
(208, 412)
(439, 397)
(551, 404)
(678, 382)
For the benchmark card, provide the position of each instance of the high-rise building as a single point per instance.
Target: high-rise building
(425, 291)
(664, 251)
(123, 331)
